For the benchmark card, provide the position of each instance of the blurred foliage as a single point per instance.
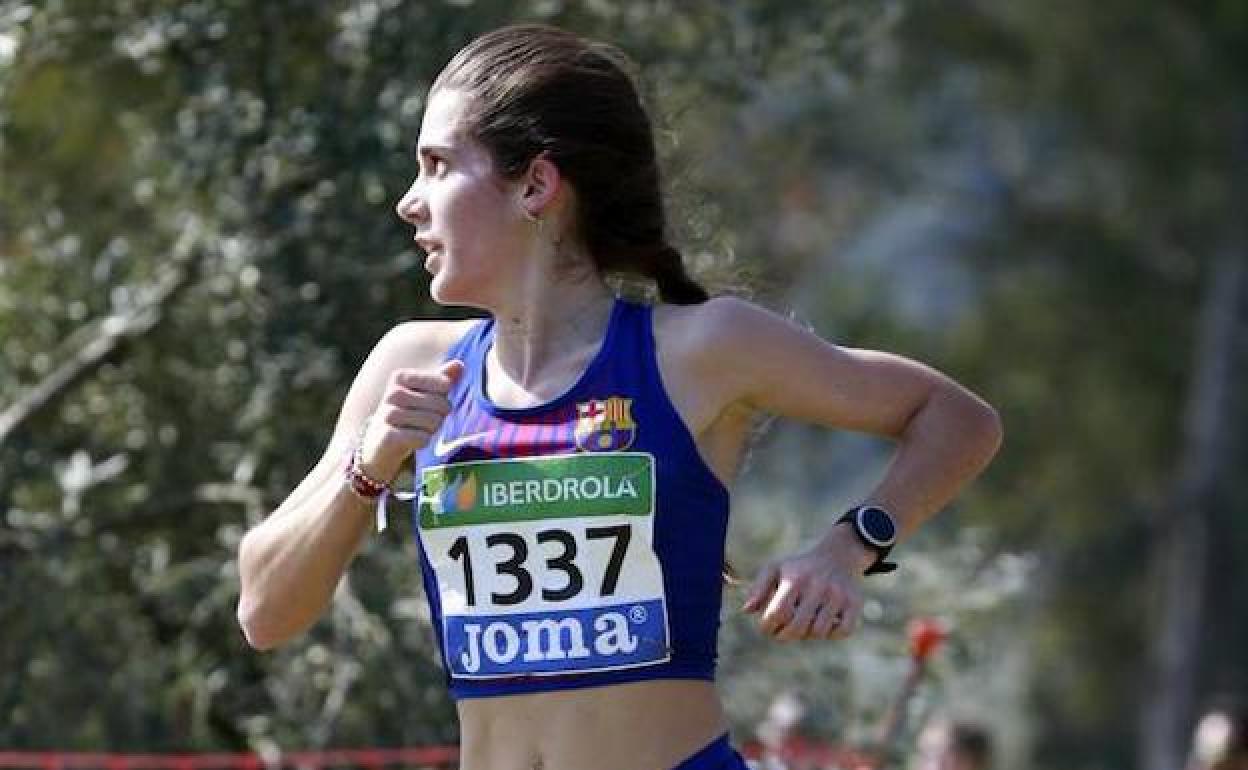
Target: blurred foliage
(1028, 195)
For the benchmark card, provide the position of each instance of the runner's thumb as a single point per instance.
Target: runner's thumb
(760, 589)
(453, 370)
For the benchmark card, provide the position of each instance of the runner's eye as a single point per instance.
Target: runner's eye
(435, 165)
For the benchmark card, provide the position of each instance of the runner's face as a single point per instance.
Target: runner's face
(467, 218)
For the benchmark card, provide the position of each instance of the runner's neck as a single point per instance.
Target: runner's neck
(538, 342)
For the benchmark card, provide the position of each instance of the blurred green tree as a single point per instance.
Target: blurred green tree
(1042, 200)
(190, 277)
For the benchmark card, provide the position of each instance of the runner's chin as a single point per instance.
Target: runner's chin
(439, 287)
(448, 286)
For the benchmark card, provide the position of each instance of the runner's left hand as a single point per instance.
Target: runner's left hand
(813, 594)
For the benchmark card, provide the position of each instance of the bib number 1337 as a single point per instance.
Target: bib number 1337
(545, 565)
(516, 564)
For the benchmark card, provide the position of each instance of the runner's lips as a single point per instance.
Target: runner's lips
(429, 245)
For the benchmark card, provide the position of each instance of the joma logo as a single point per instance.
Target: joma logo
(536, 641)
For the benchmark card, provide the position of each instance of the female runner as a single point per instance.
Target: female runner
(574, 450)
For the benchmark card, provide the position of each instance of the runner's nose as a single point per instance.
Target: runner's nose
(411, 208)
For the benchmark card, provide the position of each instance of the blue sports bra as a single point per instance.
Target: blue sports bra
(573, 544)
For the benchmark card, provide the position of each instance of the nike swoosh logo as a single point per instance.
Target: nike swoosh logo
(443, 448)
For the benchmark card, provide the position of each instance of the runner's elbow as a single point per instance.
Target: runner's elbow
(250, 613)
(254, 627)
(259, 626)
(988, 429)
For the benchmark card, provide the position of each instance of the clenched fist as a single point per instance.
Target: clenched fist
(409, 415)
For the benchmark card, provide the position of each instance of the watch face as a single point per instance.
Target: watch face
(877, 526)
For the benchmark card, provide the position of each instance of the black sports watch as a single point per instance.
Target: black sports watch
(876, 529)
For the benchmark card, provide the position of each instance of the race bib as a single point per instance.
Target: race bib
(546, 565)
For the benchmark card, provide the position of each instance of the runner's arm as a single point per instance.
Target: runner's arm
(945, 434)
(290, 564)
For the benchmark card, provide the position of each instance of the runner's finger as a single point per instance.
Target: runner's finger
(454, 369)
(761, 588)
(829, 619)
(780, 609)
(415, 399)
(424, 380)
(851, 614)
(416, 438)
(409, 419)
(799, 626)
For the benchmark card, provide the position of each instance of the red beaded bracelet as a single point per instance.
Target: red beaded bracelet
(361, 483)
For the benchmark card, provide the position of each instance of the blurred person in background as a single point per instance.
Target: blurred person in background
(1220, 740)
(574, 450)
(954, 745)
(783, 737)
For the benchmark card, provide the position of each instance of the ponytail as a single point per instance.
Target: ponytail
(675, 285)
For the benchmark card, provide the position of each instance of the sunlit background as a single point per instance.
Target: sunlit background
(1043, 199)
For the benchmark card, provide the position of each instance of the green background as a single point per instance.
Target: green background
(1043, 199)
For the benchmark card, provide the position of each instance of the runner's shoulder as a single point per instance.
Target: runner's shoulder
(419, 344)
(707, 330)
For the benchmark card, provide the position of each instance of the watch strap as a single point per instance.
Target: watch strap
(880, 566)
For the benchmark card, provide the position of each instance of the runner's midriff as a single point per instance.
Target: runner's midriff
(636, 726)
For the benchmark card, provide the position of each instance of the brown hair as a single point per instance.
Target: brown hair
(537, 89)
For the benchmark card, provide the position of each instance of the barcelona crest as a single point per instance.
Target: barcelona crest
(605, 425)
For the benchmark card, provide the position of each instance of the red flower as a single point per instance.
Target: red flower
(925, 636)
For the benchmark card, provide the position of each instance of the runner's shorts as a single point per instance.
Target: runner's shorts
(717, 755)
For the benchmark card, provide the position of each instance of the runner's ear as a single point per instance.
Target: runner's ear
(542, 184)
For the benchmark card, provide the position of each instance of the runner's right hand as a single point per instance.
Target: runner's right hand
(409, 416)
